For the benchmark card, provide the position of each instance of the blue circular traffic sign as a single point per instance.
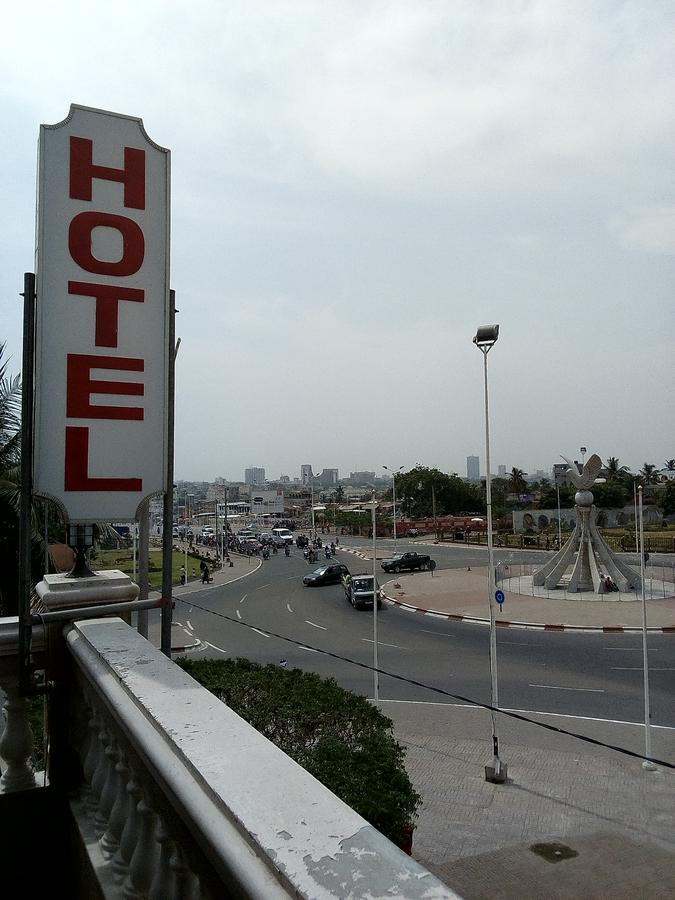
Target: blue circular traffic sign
(499, 597)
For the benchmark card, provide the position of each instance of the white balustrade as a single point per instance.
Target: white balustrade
(190, 802)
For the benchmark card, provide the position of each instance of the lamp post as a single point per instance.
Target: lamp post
(376, 675)
(647, 764)
(394, 473)
(485, 339)
(311, 485)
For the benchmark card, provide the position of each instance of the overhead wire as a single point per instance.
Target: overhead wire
(437, 690)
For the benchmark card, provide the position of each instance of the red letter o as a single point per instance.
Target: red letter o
(79, 243)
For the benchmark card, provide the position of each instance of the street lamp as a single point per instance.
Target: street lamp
(311, 485)
(394, 472)
(647, 764)
(485, 339)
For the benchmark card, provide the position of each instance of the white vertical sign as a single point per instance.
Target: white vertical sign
(102, 282)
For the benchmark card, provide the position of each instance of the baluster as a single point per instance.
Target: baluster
(164, 882)
(109, 792)
(122, 859)
(186, 883)
(90, 758)
(101, 771)
(144, 859)
(110, 841)
(16, 743)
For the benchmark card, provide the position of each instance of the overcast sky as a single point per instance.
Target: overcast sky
(356, 186)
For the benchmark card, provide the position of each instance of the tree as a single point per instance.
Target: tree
(670, 465)
(418, 489)
(10, 496)
(614, 471)
(517, 481)
(338, 736)
(668, 499)
(648, 474)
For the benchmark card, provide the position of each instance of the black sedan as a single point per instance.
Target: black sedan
(331, 573)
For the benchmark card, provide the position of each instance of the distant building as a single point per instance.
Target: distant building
(501, 473)
(362, 477)
(254, 475)
(328, 478)
(473, 468)
(306, 473)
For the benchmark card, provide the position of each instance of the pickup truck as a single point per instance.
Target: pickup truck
(406, 561)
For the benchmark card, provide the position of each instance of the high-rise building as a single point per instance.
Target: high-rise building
(501, 473)
(254, 475)
(473, 468)
(306, 473)
(328, 478)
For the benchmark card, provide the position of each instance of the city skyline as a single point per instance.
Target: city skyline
(337, 240)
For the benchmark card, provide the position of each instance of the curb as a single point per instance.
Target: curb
(536, 626)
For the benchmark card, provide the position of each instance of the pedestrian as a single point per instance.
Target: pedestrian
(205, 574)
(182, 574)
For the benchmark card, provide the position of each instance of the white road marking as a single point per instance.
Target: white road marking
(188, 623)
(639, 669)
(651, 649)
(269, 584)
(518, 643)
(530, 712)
(238, 614)
(309, 649)
(556, 687)
(243, 598)
(288, 607)
(219, 649)
(437, 633)
(260, 632)
(382, 644)
(322, 627)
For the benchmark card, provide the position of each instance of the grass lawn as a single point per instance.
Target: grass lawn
(124, 560)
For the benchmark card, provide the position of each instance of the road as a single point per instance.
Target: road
(575, 674)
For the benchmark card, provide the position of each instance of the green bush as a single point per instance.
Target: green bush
(339, 737)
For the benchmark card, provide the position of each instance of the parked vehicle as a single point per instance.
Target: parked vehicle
(359, 591)
(410, 562)
(329, 574)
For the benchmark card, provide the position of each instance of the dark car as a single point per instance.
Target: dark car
(331, 573)
(406, 562)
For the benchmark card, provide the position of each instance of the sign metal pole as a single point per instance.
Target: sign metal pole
(25, 532)
(167, 533)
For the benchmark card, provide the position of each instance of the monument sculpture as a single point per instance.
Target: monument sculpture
(587, 555)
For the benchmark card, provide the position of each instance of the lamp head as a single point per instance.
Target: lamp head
(486, 336)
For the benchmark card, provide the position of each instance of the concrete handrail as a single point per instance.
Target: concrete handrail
(267, 827)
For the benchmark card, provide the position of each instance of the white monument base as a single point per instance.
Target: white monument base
(111, 586)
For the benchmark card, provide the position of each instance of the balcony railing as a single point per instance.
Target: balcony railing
(176, 796)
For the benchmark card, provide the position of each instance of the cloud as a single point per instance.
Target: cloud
(651, 229)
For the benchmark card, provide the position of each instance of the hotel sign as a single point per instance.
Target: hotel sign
(102, 284)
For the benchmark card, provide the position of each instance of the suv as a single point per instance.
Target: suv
(359, 591)
(406, 561)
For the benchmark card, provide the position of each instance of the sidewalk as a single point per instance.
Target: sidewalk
(461, 595)
(614, 820)
(182, 638)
